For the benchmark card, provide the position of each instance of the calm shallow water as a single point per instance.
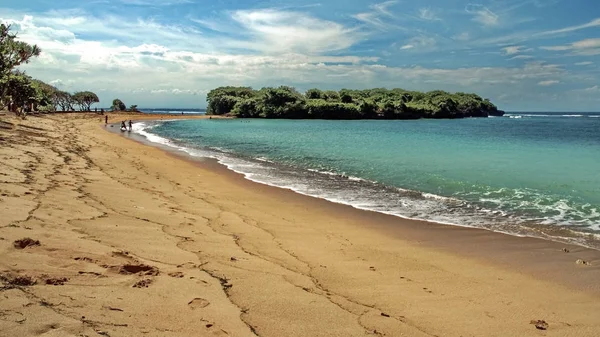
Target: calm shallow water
(524, 174)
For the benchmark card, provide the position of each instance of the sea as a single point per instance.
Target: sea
(524, 174)
(167, 111)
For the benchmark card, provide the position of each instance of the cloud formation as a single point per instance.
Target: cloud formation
(284, 32)
(428, 14)
(379, 15)
(511, 50)
(172, 53)
(548, 83)
(586, 47)
(483, 15)
(591, 24)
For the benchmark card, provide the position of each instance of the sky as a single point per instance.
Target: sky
(524, 55)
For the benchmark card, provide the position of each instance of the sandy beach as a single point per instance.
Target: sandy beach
(130, 240)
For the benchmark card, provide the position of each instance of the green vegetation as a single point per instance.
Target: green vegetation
(380, 103)
(12, 52)
(18, 87)
(85, 99)
(19, 92)
(118, 105)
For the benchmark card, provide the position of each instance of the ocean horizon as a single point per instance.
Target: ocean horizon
(524, 174)
(537, 113)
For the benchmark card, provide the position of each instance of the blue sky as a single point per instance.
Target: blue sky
(526, 55)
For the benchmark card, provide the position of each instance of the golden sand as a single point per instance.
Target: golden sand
(135, 241)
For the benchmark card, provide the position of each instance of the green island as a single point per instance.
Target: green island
(379, 103)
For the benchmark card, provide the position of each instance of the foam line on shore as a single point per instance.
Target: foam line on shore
(426, 203)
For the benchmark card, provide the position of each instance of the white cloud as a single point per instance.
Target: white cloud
(428, 14)
(212, 25)
(512, 50)
(379, 16)
(383, 7)
(593, 90)
(147, 63)
(529, 35)
(583, 47)
(585, 63)
(548, 83)
(556, 48)
(483, 15)
(57, 83)
(155, 2)
(588, 43)
(420, 43)
(476, 76)
(521, 57)
(281, 31)
(465, 36)
(591, 24)
(178, 91)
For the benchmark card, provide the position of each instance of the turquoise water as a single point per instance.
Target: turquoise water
(525, 174)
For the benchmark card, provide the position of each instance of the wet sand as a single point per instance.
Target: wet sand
(136, 241)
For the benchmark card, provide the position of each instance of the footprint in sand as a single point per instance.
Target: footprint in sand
(198, 302)
(176, 274)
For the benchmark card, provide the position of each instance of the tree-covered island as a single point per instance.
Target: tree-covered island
(379, 103)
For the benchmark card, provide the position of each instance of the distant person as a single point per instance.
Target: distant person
(102, 111)
(106, 119)
(130, 125)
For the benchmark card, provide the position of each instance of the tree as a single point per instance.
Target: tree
(19, 88)
(331, 96)
(246, 108)
(368, 109)
(133, 108)
(282, 102)
(64, 100)
(12, 52)
(222, 100)
(221, 105)
(118, 105)
(286, 102)
(45, 94)
(348, 95)
(314, 94)
(85, 99)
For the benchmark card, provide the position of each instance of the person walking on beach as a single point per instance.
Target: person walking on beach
(106, 119)
(130, 125)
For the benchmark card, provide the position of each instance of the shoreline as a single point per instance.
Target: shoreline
(527, 254)
(137, 241)
(519, 227)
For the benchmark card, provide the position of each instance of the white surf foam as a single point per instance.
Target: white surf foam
(142, 128)
(402, 203)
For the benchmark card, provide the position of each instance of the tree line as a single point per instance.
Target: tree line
(20, 92)
(378, 103)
